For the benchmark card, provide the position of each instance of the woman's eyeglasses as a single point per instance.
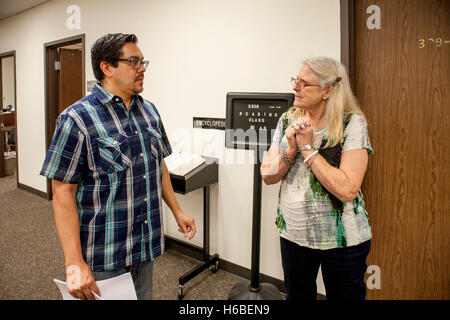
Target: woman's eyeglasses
(302, 84)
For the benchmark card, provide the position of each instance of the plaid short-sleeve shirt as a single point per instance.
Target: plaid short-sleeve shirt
(115, 156)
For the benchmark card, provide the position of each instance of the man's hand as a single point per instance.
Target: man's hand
(186, 224)
(81, 282)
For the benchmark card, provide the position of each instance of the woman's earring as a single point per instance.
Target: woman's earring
(324, 98)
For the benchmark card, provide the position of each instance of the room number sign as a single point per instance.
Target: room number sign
(438, 42)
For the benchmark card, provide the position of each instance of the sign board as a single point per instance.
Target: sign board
(209, 123)
(251, 118)
(90, 85)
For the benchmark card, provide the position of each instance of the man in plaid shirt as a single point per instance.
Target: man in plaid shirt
(106, 162)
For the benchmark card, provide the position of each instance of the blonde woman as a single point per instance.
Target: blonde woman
(320, 153)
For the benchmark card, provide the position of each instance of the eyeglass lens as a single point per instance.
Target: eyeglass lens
(136, 64)
(295, 81)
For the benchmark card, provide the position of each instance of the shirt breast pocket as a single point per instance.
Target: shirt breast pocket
(158, 148)
(114, 153)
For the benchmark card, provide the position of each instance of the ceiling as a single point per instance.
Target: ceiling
(11, 7)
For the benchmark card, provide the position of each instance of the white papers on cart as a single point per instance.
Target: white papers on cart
(117, 288)
(181, 163)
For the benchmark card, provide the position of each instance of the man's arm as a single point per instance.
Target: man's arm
(68, 226)
(185, 222)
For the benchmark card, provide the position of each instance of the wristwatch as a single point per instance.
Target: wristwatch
(305, 147)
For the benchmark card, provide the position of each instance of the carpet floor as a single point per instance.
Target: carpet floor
(31, 255)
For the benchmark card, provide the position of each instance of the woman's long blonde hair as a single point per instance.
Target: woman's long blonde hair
(341, 101)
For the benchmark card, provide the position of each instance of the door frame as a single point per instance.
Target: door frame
(8, 54)
(348, 38)
(51, 87)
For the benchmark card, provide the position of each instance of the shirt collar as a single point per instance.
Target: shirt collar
(105, 96)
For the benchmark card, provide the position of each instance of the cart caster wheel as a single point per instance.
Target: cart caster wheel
(180, 292)
(215, 267)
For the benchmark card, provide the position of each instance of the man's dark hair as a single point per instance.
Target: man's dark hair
(108, 48)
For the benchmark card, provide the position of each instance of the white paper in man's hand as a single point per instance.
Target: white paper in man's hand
(117, 288)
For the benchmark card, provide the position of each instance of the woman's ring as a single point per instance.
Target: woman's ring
(303, 126)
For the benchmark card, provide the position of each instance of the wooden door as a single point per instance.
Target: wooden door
(70, 77)
(2, 138)
(402, 82)
(53, 82)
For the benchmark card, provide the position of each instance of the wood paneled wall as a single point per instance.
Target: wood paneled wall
(402, 83)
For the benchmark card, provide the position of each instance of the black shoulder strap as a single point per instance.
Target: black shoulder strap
(347, 118)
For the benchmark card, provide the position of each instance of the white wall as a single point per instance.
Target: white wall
(198, 50)
(8, 81)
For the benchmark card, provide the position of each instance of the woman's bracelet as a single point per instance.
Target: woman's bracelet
(311, 155)
(286, 159)
(312, 160)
